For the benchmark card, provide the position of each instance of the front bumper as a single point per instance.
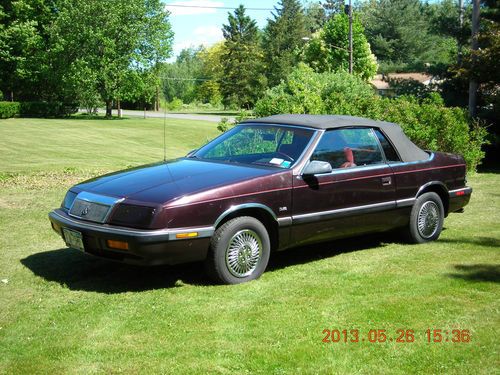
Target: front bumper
(146, 247)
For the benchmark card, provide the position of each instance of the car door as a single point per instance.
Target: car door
(356, 197)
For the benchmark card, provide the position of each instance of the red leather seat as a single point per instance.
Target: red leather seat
(349, 157)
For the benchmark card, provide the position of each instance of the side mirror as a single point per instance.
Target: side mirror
(317, 167)
(190, 153)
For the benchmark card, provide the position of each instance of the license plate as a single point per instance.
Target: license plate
(73, 239)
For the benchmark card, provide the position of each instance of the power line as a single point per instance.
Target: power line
(208, 7)
(185, 79)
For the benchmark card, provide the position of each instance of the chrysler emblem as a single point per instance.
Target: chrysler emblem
(85, 211)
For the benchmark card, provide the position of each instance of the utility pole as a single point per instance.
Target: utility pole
(473, 84)
(350, 36)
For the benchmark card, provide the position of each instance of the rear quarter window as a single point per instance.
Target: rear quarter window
(390, 153)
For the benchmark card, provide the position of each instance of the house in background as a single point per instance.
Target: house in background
(384, 83)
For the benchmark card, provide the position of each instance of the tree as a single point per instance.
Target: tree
(26, 69)
(315, 16)
(243, 79)
(333, 7)
(111, 38)
(211, 61)
(481, 63)
(328, 49)
(81, 50)
(213, 71)
(398, 30)
(446, 21)
(181, 78)
(283, 39)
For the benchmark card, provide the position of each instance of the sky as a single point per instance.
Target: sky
(198, 24)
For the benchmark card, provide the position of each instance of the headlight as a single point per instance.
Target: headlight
(68, 200)
(132, 216)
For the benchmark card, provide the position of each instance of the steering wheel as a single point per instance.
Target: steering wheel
(285, 156)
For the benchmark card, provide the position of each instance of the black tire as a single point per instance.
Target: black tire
(239, 251)
(426, 219)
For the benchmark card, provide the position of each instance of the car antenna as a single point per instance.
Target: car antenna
(164, 134)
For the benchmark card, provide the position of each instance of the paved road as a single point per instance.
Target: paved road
(184, 116)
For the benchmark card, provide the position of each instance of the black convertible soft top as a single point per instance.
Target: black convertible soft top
(407, 149)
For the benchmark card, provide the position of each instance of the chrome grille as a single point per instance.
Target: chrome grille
(90, 211)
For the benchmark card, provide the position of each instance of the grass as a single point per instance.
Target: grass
(29, 145)
(64, 312)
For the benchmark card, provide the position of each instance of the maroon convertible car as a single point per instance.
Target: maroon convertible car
(267, 184)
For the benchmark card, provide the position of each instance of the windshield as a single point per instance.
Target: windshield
(269, 145)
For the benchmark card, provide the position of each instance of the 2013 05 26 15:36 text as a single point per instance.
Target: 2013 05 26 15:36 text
(430, 335)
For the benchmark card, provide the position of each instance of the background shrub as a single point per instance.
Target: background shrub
(427, 122)
(9, 109)
(175, 104)
(47, 109)
(224, 125)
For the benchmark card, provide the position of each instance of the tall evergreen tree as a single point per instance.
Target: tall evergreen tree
(243, 80)
(315, 16)
(283, 39)
(333, 7)
(396, 29)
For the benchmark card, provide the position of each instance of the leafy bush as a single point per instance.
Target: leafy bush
(299, 93)
(305, 91)
(47, 109)
(243, 115)
(427, 122)
(224, 125)
(175, 104)
(9, 109)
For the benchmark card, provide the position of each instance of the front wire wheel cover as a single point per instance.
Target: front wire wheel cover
(428, 219)
(243, 253)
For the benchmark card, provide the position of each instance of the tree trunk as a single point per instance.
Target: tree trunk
(109, 108)
(119, 109)
(473, 84)
(12, 95)
(461, 23)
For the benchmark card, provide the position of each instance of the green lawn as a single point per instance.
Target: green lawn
(64, 312)
(28, 145)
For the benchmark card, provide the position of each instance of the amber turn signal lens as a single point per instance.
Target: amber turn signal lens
(120, 245)
(186, 235)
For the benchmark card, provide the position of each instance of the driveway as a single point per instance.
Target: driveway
(184, 116)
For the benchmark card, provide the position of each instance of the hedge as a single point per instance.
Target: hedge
(9, 109)
(36, 109)
(47, 109)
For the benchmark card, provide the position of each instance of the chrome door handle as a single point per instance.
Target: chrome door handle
(386, 181)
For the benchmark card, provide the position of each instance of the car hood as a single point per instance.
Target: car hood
(163, 182)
